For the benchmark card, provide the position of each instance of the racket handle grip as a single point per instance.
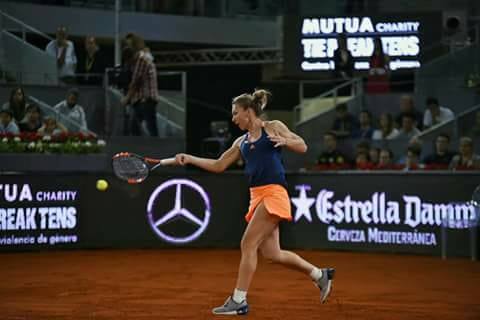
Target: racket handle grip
(168, 162)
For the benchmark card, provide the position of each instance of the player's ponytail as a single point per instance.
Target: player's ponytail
(260, 99)
(256, 101)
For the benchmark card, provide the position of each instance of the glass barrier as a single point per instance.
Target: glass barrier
(21, 61)
(468, 123)
(170, 109)
(68, 123)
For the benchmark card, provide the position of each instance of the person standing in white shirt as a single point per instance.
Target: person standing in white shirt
(64, 51)
(435, 114)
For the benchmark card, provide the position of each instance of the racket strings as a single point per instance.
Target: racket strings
(129, 168)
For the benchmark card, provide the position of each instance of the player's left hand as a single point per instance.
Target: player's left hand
(278, 140)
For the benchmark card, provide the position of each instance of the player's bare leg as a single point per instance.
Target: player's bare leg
(323, 278)
(258, 229)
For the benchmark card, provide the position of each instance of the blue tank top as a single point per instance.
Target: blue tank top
(263, 162)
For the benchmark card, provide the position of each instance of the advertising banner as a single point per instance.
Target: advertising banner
(67, 211)
(381, 212)
(377, 212)
(39, 212)
(310, 41)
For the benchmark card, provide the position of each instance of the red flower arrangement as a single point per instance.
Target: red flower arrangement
(32, 142)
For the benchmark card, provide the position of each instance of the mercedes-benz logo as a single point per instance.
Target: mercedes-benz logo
(156, 219)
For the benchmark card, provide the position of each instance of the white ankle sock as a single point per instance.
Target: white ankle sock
(316, 273)
(239, 295)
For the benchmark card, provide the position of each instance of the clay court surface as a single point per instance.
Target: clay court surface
(186, 284)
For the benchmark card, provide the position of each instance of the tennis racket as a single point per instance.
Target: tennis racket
(134, 168)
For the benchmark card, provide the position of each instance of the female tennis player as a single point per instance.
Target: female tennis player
(260, 148)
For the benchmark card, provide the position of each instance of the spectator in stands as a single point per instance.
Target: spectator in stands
(362, 162)
(362, 147)
(441, 157)
(33, 119)
(466, 159)
(143, 90)
(331, 158)
(64, 50)
(7, 124)
(373, 155)
(51, 127)
(17, 104)
(92, 63)
(386, 129)
(413, 143)
(385, 160)
(343, 59)
(345, 123)
(474, 132)
(365, 130)
(435, 114)
(378, 74)
(408, 130)
(412, 161)
(407, 106)
(72, 111)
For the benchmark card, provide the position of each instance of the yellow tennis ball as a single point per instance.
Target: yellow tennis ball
(102, 185)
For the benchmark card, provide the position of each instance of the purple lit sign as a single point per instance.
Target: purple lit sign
(156, 220)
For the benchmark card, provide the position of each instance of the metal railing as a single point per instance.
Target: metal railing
(170, 113)
(23, 27)
(51, 111)
(449, 47)
(448, 63)
(230, 56)
(356, 89)
(431, 133)
(48, 78)
(469, 110)
(25, 78)
(446, 78)
(456, 126)
(466, 119)
(175, 107)
(450, 44)
(20, 60)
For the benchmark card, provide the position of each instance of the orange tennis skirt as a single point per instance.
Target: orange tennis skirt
(275, 199)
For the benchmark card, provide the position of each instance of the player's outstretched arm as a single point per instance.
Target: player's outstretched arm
(279, 134)
(213, 165)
